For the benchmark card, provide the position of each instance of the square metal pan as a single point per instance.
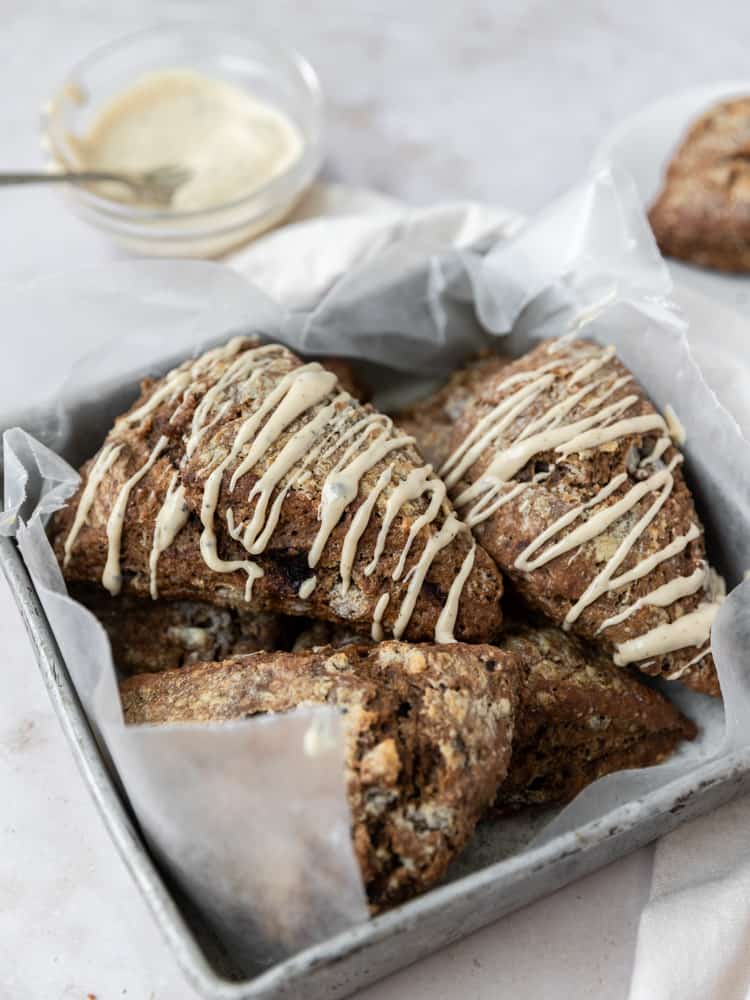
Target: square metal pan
(364, 954)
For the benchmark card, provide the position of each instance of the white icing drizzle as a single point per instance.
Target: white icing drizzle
(689, 630)
(171, 519)
(588, 388)
(180, 379)
(307, 587)
(683, 669)
(447, 620)
(662, 597)
(101, 466)
(111, 577)
(377, 618)
(358, 526)
(342, 485)
(676, 428)
(435, 544)
(644, 567)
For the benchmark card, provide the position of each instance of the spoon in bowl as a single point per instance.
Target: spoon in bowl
(155, 187)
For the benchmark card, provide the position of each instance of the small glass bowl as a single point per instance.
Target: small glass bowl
(266, 69)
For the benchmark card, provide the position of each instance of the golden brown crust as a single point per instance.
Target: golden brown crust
(555, 587)
(580, 717)
(702, 214)
(147, 636)
(429, 731)
(182, 572)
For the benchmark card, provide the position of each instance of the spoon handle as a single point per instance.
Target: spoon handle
(77, 177)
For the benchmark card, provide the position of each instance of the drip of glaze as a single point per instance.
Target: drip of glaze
(662, 597)
(377, 618)
(689, 630)
(447, 620)
(112, 577)
(307, 587)
(101, 466)
(171, 519)
(435, 544)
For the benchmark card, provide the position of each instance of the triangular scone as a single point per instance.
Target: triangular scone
(579, 718)
(246, 477)
(702, 214)
(429, 731)
(147, 635)
(571, 481)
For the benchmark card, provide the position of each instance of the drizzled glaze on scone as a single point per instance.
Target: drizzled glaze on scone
(559, 455)
(245, 426)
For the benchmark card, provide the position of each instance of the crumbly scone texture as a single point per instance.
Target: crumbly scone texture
(579, 718)
(702, 213)
(428, 727)
(574, 480)
(182, 571)
(431, 420)
(147, 636)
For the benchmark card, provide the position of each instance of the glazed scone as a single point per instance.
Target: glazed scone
(571, 481)
(147, 635)
(579, 718)
(702, 214)
(428, 727)
(247, 479)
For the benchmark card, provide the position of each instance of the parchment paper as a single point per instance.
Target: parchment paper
(252, 817)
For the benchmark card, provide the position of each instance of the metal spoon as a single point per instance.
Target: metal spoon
(157, 186)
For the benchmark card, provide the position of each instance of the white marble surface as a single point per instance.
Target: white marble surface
(427, 100)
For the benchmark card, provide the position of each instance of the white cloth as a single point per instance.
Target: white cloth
(694, 934)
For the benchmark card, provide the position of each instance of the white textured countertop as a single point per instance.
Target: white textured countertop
(426, 101)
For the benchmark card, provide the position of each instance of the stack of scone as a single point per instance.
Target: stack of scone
(253, 538)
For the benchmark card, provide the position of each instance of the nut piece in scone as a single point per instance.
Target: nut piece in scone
(428, 728)
(572, 481)
(579, 718)
(702, 214)
(246, 478)
(147, 635)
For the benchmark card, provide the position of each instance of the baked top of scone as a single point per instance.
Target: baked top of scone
(428, 734)
(702, 213)
(579, 717)
(246, 477)
(571, 481)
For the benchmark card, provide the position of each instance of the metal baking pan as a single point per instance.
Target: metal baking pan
(353, 959)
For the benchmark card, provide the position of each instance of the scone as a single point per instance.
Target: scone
(147, 635)
(246, 478)
(571, 481)
(702, 214)
(429, 731)
(579, 718)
